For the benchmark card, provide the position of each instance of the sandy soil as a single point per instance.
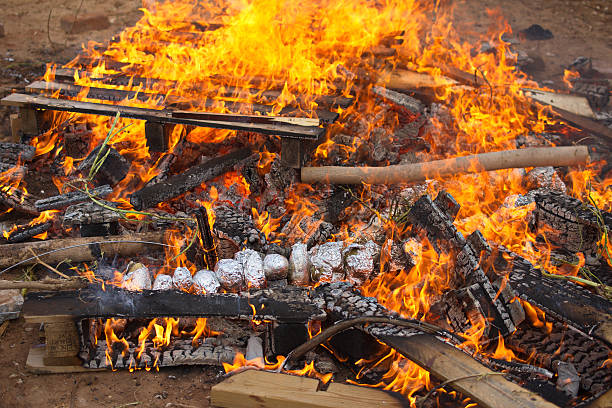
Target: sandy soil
(579, 28)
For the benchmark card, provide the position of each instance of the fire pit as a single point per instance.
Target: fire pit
(233, 186)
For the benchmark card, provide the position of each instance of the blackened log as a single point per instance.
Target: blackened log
(16, 199)
(174, 186)
(90, 213)
(562, 299)
(446, 238)
(23, 233)
(14, 152)
(112, 171)
(10, 172)
(206, 237)
(73, 197)
(238, 227)
(291, 305)
(570, 223)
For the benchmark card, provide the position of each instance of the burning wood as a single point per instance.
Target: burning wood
(381, 253)
(152, 195)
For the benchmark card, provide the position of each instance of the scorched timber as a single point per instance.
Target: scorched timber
(562, 299)
(117, 95)
(152, 195)
(73, 197)
(96, 303)
(163, 116)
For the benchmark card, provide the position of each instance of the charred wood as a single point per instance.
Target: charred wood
(399, 99)
(288, 305)
(570, 223)
(176, 185)
(239, 227)
(23, 233)
(112, 171)
(206, 237)
(73, 197)
(562, 299)
(16, 152)
(16, 199)
(89, 213)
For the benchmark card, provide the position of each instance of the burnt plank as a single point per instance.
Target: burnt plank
(94, 302)
(64, 200)
(227, 91)
(469, 376)
(151, 195)
(562, 299)
(163, 116)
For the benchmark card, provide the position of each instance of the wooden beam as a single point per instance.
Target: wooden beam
(116, 95)
(115, 302)
(445, 362)
(262, 389)
(163, 116)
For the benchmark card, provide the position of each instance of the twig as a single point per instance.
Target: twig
(452, 380)
(75, 19)
(3, 327)
(48, 266)
(49, 30)
(129, 404)
(600, 287)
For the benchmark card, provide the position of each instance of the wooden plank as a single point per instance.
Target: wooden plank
(36, 365)
(116, 302)
(262, 389)
(164, 116)
(445, 363)
(227, 91)
(116, 95)
(575, 104)
(604, 401)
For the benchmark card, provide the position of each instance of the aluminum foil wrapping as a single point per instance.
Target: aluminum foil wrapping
(230, 275)
(137, 277)
(182, 278)
(326, 260)
(163, 282)
(299, 265)
(275, 267)
(359, 264)
(252, 267)
(205, 282)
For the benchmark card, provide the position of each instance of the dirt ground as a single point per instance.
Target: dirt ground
(34, 37)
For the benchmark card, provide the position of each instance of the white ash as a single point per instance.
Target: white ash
(544, 177)
(137, 277)
(163, 282)
(299, 265)
(230, 274)
(205, 282)
(275, 267)
(252, 268)
(182, 278)
(326, 262)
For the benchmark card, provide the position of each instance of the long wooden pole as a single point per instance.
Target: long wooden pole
(77, 249)
(529, 157)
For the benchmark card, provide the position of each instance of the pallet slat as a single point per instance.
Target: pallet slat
(116, 95)
(163, 116)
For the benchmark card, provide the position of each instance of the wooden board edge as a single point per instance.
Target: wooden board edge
(34, 364)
